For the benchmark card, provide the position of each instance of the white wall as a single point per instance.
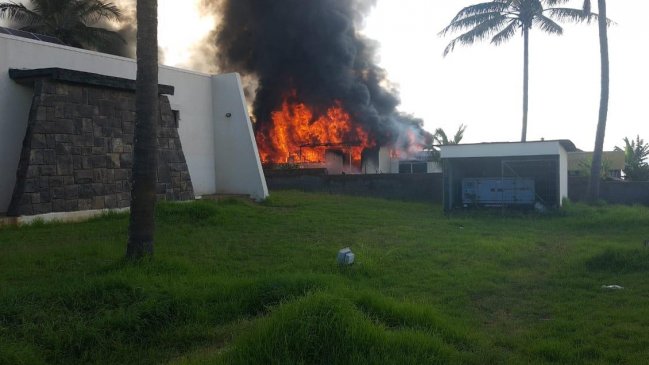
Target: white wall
(563, 174)
(236, 141)
(193, 98)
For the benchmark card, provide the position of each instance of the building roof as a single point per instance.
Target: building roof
(30, 35)
(503, 149)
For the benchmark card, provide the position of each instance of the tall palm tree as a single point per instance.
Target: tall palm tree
(143, 192)
(69, 20)
(500, 20)
(593, 191)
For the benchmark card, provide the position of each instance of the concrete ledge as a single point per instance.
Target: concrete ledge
(79, 77)
(62, 217)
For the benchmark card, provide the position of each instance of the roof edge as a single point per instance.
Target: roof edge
(567, 144)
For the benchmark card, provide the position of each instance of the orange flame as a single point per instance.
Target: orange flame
(297, 136)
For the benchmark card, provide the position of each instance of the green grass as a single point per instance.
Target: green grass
(237, 283)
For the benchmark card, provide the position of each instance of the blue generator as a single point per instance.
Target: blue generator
(498, 192)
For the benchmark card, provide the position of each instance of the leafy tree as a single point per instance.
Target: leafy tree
(69, 20)
(143, 192)
(501, 19)
(636, 153)
(585, 168)
(593, 187)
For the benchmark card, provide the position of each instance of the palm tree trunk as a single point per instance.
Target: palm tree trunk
(143, 192)
(526, 76)
(596, 166)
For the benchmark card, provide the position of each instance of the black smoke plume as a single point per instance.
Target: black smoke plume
(314, 48)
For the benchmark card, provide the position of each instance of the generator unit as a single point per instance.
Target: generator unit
(496, 191)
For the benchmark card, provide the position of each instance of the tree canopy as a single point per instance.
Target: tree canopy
(74, 22)
(500, 20)
(636, 153)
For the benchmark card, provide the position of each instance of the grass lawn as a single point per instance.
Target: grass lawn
(237, 283)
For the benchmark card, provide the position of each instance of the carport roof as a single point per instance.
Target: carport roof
(502, 149)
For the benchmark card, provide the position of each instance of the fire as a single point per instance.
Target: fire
(297, 135)
(408, 144)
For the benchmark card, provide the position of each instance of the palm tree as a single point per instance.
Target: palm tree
(441, 138)
(593, 191)
(143, 192)
(69, 20)
(500, 20)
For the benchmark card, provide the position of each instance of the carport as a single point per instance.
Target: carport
(506, 174)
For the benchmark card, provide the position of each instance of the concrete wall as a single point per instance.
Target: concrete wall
(193, 98)
(613, 192)
(410, 187)
(233, 134)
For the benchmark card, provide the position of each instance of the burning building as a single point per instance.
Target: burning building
(318, 97)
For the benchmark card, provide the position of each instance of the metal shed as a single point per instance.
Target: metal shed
(506, 173)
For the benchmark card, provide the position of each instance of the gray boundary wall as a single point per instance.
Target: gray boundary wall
(409, 187)
(613, 192)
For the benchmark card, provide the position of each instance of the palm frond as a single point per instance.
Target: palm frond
(482, 8)
(548, 25)
(468, 22)
(92, 11)
(505, 34)
(459, 134)
(571, 15)
(440, 137)
(480, 32)
(38, 28)
(554, 2)
(587, 6)
(70, 20)
(19, 13)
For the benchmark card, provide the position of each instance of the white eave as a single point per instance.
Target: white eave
(504, 149)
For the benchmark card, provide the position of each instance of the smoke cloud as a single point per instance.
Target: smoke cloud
(312, 52)
(127, 29)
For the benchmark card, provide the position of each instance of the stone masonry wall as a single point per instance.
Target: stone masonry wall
(78, 151)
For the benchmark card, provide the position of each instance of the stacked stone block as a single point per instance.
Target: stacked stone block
(78, 151)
